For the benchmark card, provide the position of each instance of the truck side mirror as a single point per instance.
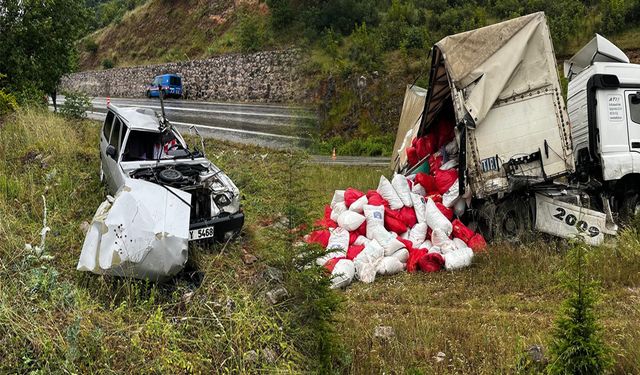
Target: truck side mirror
(111, 151)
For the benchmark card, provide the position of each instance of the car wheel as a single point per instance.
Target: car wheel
(148, 94)
(164, 94)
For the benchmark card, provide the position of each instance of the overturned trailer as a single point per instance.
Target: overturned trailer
(496, 89)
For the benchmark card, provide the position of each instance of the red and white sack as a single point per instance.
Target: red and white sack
(337, 209)
(402, 255)
(418, 234)
(389, 194)
(338, 197)
(361, 241)
(375, 218)
(342, 274)
(339, 240)
(458, 259)
(389, 266)
(358, 205)
(387, 240)
(449, 198)
(441, 240)
(419, 206)
(350, 220)
(436, 219)
(401, 186)
(367, 260)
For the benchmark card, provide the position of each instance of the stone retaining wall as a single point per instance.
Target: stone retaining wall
(270, 76)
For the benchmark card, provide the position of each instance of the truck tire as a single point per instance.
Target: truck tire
(512, 220)
(630, 206)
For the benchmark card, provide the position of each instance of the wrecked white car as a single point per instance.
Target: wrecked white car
(165, 195)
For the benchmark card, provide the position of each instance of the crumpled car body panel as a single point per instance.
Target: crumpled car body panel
(142, 232)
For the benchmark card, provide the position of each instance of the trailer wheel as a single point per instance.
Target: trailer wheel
(512, 220)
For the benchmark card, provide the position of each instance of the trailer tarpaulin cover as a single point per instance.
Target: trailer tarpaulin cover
(143, 232)
(499, 61)
(414, 99)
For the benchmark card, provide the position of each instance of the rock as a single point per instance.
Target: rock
(440, 357)
(536, 354)
(384, 332)
(84, 227)
(250, 357)
(272, 274)
(249, 259)
(277, 295)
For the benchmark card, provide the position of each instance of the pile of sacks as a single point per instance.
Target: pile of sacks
(408, 223)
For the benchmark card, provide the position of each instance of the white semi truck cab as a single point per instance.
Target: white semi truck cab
(603, 103)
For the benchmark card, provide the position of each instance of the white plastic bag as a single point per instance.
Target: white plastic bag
(350, 220)
(389, 266)
(449, 198)
(418, 234)
(338, 240)
(358, 205)
(338, 197)
(458, 259)
(401, 186)
(419, 207)
(436, 219)
(389, 194)
(342, 274)
(442, 241)
(375, 218)
(338, 209)
(367, 260)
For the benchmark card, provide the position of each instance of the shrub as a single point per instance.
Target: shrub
(251, 31)
(91, 46)
(613, 14)
(577, 346)
(365, 49)
(107, 64)
(75, 105)
(8, 103)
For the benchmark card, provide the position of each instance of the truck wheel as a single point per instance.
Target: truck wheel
(630, 207)
(512, 220)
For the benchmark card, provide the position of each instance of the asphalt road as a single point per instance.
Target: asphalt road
(267, 125)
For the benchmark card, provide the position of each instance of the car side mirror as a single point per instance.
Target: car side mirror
(111, 151)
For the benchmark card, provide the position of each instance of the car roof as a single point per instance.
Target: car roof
(168, 75)
(138, 118)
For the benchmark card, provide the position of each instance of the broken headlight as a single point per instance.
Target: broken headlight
(222, 200)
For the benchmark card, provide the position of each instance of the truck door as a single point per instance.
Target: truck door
(633, 100)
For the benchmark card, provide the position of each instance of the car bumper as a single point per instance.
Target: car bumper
(224, 226)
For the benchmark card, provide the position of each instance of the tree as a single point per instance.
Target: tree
(38, 43)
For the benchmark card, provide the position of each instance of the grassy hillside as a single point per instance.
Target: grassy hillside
(54, 319)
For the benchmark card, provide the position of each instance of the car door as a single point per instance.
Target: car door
(113, 172)
(105, 135)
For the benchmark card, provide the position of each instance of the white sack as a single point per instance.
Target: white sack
(460, 207)
(144, 233)
(449, 165)
(442, 241)
(358, 205)
(361, 240)
(458, 259)
(338, 197)
(406, 235)
(387, 240)
(338, 240)
(337, 209)
(322, 260)
(401, 186)
(375, 218)
(367, 260)
(449, 198)
(419, 207)
(418, 189)
(426, 245)
(460, 244)
(436, 219)
(418, 234)
(451, 148)
(390, 266)
(402, 255)
(342, 274)
(350, 220)
(389, 194)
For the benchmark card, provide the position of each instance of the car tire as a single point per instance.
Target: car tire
(148, 94)
(164, 94)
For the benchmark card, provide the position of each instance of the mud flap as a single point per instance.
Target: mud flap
(568, 221)
(143, 233)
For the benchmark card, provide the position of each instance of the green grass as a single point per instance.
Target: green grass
(54, 319)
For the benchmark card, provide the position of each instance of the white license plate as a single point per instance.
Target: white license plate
(198, 234)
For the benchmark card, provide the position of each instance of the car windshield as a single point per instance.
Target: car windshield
(174, 81)
(143, 145)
